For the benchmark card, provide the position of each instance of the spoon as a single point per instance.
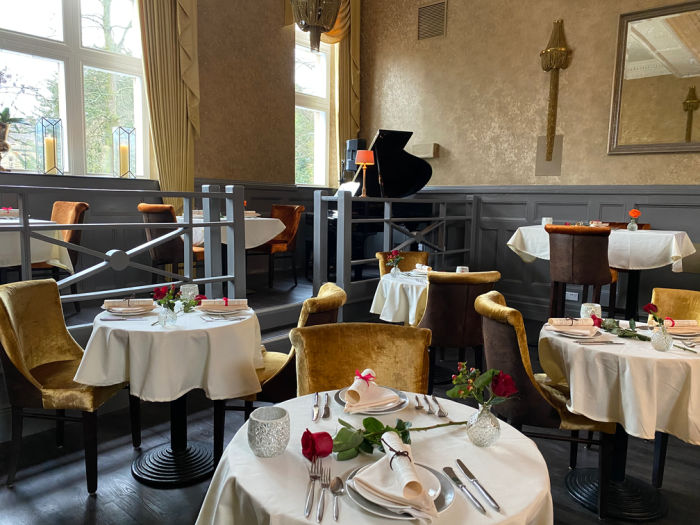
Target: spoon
(338, 489)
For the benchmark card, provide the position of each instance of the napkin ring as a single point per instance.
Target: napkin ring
(396, 453)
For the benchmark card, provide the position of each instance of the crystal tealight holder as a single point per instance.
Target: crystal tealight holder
(268, 431)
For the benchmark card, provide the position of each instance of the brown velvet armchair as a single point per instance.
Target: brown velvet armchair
(39, 359)
(328, 355)
(410, 259)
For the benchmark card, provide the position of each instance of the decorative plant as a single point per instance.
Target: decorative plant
(634, 213)
(168, 297)
(653, 311)
(474, 383)
(6, 119)
(394, 258)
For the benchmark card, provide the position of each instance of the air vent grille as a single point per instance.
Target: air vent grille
(432, 20)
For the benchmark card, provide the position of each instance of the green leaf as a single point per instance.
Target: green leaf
(346, 424)
(373, 425)
(454, 391)
(366, 447)
(347, 454)
(633, 324)
(346, 439)
(485, 379)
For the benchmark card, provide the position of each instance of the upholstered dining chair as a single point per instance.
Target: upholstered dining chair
(328, 355)
(39, 359)
(65, 212)
(409, 261)
(579, 255)
(450, 313)
(539, 402)
(284, 245)
(173, 251)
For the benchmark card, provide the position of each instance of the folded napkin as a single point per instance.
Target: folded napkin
(231, 303)
(569, 321)
(423, 268)
(581, 331)
(250, 213)
(394, 479)
(364, 393)
(127, 303)
(679, 326)
(9, 212)
(680, 322)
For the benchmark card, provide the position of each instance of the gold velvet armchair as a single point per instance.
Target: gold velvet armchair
(328, 355)
(410, 259)
(39, 359)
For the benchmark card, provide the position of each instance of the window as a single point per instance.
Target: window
(80, 61)
(312, 112)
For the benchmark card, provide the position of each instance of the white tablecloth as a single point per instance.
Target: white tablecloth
(401, 298)
(162, 364)
(640, 250)
(258, 230)
(248, 490)
(10, 253)
(631, 384)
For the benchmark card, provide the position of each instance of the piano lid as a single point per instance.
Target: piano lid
(402, 174)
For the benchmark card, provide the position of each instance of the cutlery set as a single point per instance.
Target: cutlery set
(336, 487)
(316, 409)
(438, 411)
(474, 481)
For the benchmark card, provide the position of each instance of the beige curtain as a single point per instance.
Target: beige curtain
(169, 40)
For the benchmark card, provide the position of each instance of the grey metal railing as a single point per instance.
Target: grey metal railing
(213, 201)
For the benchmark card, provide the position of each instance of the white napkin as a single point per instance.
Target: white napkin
(127, 303)
(581, 331)
(362, 394)
(233, 304)
(12, 212)
(568, 321)
(250, 213)
(679, 326)
(396, 481)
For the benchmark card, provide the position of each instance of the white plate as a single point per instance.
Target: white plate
(220, 310)
(574, 336)
(131, 310)
(430, 483)
(389, 408)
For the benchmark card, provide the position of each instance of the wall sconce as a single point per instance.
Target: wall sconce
(124, 141)
(49, 146)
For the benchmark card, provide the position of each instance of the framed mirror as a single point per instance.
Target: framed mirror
(655, 106)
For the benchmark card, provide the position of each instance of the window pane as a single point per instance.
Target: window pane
(111, 25)
(42, 18)
(310, 146)
(31, 87)
(310, 72)
(111, 100)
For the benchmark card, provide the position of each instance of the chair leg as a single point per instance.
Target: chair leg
(247, 409)
(60, 426)
(573, 450)
(135, 417)
(590, 436)
(219, 422)
(74, 290)
(605, 460)
(442, 353)
(17, 420)
(90, 443)
(584, 293)
(462, 354)
(660, 444)
(553, 295)
(270, 270)
(294, 269)
(596, 293)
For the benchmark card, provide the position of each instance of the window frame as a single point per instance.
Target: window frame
(315, 103)
(75, 57)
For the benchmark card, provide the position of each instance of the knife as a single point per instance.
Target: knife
(451, 474)
(315, 407)
(471, 477)
(585, 343)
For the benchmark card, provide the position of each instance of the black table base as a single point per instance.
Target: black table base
(161, 467)
(629, 500)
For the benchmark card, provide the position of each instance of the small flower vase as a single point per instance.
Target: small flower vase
(395, 271)
(166, 316)
(632, 225)
(483, 428)
(661, 340)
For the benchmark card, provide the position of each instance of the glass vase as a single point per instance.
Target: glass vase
(166, 317)
(395, 271)
(483, 428)
(632, 225)
(661, 340)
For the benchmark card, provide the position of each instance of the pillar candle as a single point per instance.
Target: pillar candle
(50, 156)
(123, 160)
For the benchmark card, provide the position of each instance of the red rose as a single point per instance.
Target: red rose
(503, 385)
(597, 321)
(650, 308)
(159, 293)
(394, 253)
(316, 444)
(198, 298)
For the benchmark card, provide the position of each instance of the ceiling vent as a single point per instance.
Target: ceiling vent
(432, 19)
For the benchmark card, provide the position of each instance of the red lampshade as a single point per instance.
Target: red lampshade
(364, 157)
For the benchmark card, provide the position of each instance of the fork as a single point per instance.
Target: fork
(428, 406)
(441, 412)
(314, 474)
(418, 404)
(325, 483)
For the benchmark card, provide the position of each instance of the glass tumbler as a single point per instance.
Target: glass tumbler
(189, 291)
(590, 308)
(268, 431)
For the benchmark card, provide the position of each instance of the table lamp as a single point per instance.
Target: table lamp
(364, 157)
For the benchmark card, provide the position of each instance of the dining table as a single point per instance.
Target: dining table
(41, 251)
(632, 251)
(218, 354)
(258, 230)
(248, 490)
(401, 297)
(642, 390)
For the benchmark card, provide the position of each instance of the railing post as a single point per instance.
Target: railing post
(235, 241)
(388, 242)
(320, 270)
(212, 241)
(25, 242)
(343, 267)
(187, 237)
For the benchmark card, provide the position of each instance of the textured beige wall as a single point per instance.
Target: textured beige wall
(481, 94)
(246, 69)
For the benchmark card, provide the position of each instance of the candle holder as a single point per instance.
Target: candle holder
(49, 146)
(124, 141)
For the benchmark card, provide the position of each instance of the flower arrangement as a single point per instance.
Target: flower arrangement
(653, 311)
(634, 214)
(167, 297)
(394, 258)
(471, 382)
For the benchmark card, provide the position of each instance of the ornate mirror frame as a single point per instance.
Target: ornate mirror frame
(614, 148)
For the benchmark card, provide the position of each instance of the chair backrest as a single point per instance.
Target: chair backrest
(505, 348)
(578, 254)
(328, 355)
(623, 226)
(410, 259)
(66, 212)
(171, 252)
(32, 329)
(290, 215)
(677, 304)
(450, 310)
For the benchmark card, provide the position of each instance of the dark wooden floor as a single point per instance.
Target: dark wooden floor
(50, 487)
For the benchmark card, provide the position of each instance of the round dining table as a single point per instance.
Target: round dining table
(162, 364)
(258, 230)
(401, 298)
(248, 490)
(41, 251)
(629, 383)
